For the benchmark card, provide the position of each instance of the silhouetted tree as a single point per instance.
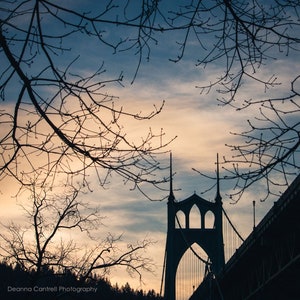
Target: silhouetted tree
(63, 115)
(247, 39)
(59, 112)
(43, 248)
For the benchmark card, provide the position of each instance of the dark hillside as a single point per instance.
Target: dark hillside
(17, 284)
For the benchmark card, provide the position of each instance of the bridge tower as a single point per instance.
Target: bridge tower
(180, 239)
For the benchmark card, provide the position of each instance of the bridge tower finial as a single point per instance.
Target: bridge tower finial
(171, 194)
(218, 198)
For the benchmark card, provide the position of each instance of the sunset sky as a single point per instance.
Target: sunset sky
(201, 125)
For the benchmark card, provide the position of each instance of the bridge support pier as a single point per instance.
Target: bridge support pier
(180, 237)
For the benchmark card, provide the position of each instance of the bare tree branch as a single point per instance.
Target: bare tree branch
(43, 244)
(64, 116)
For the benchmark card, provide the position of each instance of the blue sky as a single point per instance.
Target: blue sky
(201, 125)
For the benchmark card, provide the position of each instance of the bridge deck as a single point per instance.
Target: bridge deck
(267, 265)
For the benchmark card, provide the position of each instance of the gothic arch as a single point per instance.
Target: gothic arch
(195, 217)
(209, 220)
(188, 266)
(181, 218)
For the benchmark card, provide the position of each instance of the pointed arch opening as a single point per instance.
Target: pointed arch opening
(209, 220)
(195, 217)
(180, 219)
(190, 271)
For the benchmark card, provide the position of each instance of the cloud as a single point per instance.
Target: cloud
(202, 129)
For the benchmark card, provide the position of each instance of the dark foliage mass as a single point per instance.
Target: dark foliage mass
(19, 284)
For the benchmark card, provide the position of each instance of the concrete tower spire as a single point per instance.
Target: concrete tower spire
(171, 194)
(218, 198)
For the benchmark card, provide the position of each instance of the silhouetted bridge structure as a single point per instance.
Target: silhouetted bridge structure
(265, 266)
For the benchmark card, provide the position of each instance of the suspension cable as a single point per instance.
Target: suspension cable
(163, 272)
(217, 283)
(233, 227)
(190, 246)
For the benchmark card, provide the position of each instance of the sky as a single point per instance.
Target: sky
(202, 128)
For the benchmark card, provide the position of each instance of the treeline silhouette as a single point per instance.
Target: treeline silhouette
(16, 283)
